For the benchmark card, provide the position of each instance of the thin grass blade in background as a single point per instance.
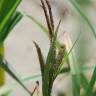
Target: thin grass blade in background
(89, 23)
(4, 65)
(39, 24)
(74, 67)
(86, 19)
(83, 81)
(91, 84)
(10, 88)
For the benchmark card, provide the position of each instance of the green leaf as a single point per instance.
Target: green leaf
(41, 58)
(91, 84)
(68, 56)
(82, 14)
(83, 68)
(83, 81)
(86, 19)
(9, 88)
(74, 67)
(83, 2)
(7, 10)
(65, 70)
(14, 20)
(39, 24)
(4, 64)
(76, 84)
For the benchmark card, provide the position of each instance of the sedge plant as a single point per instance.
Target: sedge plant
(58, 53)
(78, 77)
(51, 68)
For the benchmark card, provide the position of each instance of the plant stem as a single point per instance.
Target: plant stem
(76, 84)
(2, 74)
(46, 89)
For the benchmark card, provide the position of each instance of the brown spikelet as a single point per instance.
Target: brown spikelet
(47, 20)
(51, 15)
(59, 59)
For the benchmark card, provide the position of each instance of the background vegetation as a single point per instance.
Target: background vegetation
(68, 56)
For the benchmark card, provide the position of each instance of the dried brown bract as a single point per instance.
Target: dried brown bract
(49, 18)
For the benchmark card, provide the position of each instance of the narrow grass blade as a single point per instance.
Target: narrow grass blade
(65, 70)
(91, 84)
(74, 67)
(83, 68)
(76, 85)
(67, 54)
(82, 14)
(83, 82)
(83, 2)
(41, 58)
(4, 65)
(39, 24)
(14, 20)
(9, 88)
(7, 10)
